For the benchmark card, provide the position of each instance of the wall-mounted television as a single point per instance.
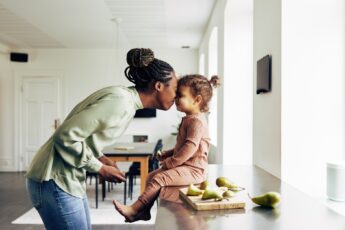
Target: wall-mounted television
(263, 74)
(147, 112)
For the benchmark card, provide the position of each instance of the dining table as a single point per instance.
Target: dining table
(132, 152)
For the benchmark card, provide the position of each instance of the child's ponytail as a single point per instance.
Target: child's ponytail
(214, 81)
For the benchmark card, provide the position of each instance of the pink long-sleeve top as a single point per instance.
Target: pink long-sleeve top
(192, 144)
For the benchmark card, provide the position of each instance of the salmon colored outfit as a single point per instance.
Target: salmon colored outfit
(185, 164)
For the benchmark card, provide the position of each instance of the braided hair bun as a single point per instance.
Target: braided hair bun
(144, 69)
(215, 81)
(140, 57)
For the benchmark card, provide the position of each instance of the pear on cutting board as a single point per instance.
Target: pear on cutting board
(203, 185)
(225, 182)
(228, 194)
(211, 194)
(269, 199)
(193, 190)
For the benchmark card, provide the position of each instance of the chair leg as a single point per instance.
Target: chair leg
(103, 189)
(131, 187)
(96, 187)
(125, 192)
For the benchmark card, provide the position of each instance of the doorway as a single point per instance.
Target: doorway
(39, 114)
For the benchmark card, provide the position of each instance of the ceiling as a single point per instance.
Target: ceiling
(85, 24)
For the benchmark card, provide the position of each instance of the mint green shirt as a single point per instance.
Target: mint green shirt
(77, 143)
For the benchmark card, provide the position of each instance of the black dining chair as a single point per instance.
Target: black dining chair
(110, 184)
(134, 169)
(89, 176)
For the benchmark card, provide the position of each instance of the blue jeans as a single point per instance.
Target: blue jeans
(58, 209)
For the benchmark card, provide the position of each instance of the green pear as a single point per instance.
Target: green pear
(270, 199)
(228, 194)
(204, 185)
(193, 190)
(225, 182)
(211, 194)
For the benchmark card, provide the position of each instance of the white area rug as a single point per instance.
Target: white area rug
(98, 217)
(106, 213)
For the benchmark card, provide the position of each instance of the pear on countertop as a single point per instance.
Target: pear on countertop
(269, 199)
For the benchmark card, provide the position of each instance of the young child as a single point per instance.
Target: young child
(186, 163)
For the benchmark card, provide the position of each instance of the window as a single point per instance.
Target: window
(213, 70)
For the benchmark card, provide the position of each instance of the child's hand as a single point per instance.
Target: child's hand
(159, 155)
(163, 165)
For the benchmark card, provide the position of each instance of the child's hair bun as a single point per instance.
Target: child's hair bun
(215, 81)
(140, 57)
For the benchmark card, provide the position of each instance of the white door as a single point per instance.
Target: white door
(39, 114)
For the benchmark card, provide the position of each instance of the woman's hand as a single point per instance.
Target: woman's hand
(112, 174)
(106, 161)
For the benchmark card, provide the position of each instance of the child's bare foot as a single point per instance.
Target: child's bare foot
(126, 211)
(144, 215)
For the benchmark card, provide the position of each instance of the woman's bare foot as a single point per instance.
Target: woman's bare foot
(126, 211)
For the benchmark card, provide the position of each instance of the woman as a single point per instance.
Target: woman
(56, 176)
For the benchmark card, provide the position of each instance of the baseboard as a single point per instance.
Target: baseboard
(7, 164)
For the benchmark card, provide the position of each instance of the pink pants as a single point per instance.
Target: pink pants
(181, 175)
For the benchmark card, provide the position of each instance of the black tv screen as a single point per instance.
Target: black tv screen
(145, 113)
(263, 75)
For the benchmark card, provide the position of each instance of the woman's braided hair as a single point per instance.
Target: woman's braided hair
(200, 85)
(145, 69)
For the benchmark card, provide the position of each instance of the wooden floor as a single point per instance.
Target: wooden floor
(15, 202)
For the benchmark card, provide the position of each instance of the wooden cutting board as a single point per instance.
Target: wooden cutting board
(198, 204)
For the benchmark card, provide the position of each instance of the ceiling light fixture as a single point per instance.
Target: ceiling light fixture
(185, 47)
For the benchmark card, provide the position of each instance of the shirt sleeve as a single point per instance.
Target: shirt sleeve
(167, 153)
(70, 138)
(185, 152)
(189, 147)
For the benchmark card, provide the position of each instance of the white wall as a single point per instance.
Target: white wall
(238, 82)
(300, 125)
(313, 87)
(84, 71)
(6, 114)
(266, 107)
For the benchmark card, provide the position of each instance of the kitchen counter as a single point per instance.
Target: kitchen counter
(296, 211)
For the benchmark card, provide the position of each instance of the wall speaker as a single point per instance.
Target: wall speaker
(19, 57)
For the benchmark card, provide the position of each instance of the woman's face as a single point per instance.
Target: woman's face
(166, 97)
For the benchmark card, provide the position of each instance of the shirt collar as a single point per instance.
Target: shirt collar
(137, 102)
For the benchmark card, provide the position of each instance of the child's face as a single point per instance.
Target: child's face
(185, 101)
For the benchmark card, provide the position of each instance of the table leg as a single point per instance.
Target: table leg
(144, 169)
(144, 166)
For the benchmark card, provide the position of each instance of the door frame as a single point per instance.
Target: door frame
(18, 84)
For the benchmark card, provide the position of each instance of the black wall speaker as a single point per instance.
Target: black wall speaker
(19, 57)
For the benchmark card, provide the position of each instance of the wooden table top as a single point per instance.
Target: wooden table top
(135, 148)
